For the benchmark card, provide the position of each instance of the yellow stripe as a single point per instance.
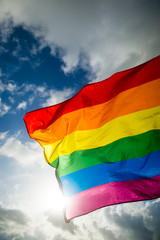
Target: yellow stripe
(136, 99)
(124, 126)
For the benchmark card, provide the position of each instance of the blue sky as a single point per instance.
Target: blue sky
(48, 51)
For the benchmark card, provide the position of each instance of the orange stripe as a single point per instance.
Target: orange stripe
(132, 100)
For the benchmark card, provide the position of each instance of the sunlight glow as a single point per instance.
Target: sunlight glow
(47, 196)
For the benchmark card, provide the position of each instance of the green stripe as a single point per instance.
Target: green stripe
(122, 149)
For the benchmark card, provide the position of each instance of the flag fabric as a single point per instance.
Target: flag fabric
(105, 141)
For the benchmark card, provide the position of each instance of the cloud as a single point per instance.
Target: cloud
(57, 96)
(12, 215)
(125, 221)
(9, 86)
(4, 108)
(3, 135)
(129, 225)
(6, 29)
(13, 223)
(30, 92)
(22, 105)
(11, 99)
(105, 232)
(151, 218)
(107, 32)
(57, 220)
(25, 154)
(59, 237)
(7, 236)
(13, 89)
(131, 221)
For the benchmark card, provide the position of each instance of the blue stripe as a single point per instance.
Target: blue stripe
(137, 168)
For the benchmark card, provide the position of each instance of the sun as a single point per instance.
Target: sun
(44, 195)
(50, 198)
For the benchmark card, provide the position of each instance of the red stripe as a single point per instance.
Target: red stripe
(93, 94)
(112, 193)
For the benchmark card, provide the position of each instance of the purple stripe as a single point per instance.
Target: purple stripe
(112, 193)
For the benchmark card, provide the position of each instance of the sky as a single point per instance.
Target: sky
(49, 49)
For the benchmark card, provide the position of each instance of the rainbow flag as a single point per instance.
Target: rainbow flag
(105, 141)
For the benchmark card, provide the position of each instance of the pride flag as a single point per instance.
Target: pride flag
(105, 141)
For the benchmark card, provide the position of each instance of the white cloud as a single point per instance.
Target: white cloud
(12, 222)
(11, 99)
(45, 96)
(25, 154)
(41, 89)
(3, 135)
(113, 223)
(12, 215)
(56, 96)
(57, 220)
(9, 86)
(22, 105)
(4, 108)
(6, 26)
(106, 31)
